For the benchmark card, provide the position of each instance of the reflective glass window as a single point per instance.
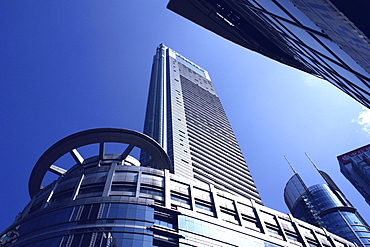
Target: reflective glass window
(269, 218)
(293, 237)
(306, 39)
(216, 235)
(229, 217)
(85, 212)
(271, 7)
(246, 210)
(105, 209)
(131, 211)
(274, 231)
(89, 211)
(348, 75)
(343, 56)
(93, 190)
(179, 187)
(86, 239)
(225, 202)
(150, 179)
(113, 211)
(202, 194)
(302, 18)
(165, 219)
(125, 176)
(76, 240)
(74, 213)
(190, 65)
(203, 207)
(94, 211)
(151, 191)
(180, 199)
(323, 197)
(123, 188)
(96, 177)
(286, 224)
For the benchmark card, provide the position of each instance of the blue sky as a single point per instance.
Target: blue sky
(68, 66)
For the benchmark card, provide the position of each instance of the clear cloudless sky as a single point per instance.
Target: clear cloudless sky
(68, 66)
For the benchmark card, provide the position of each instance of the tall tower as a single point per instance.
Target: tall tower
(324, 205)
(185, 116)
(355, 166)
(107, 199)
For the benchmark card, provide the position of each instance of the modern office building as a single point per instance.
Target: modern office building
(355, 166)
(114, 200)
(111, 200)
(324, 205)
(325, 38)
(185, 116)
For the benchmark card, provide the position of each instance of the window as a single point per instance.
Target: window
(92, 189)
(90, 211)
(151, 191)
(251, 223)
(180, 199)
(274, 231)
(123, 188)
(204, 207)
(164, 219)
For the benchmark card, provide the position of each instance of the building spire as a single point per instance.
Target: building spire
(330, 182)
(313, 163)
(291, 167)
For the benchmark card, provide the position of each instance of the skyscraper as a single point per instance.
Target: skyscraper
(114, 200)
(185, 115)
(355, 166)
(324, 205)
(328, 39)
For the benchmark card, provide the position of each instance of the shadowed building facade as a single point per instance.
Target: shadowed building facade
(325, 38)
(355, 166)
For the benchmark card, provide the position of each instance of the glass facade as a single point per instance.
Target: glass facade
(105, 201)
(90, 215)
(324, 206)
(185, 115)
(311, 35)
(105, 224)
(355, 166)
(203, 232)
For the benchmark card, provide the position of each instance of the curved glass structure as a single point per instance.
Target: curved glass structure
(323, 206)
(110, 201)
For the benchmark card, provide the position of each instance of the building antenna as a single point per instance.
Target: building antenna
(331, 183)
(296, 174)
(313, 163)
(291, 167)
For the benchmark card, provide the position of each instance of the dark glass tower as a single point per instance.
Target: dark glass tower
(185, 115)
(355, 166)
(324, 205)
(326, 38)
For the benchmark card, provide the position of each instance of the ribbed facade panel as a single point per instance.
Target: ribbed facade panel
(199, 138)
